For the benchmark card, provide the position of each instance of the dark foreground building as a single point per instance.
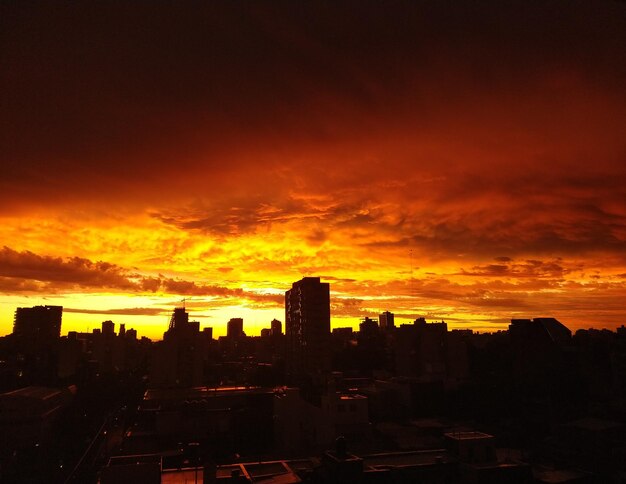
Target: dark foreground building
(307, 326)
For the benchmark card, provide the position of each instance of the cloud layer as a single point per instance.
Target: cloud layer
(465, 161)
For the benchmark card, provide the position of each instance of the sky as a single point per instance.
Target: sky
(460, 161)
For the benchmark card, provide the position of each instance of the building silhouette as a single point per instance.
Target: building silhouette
(178, 360)
(276, 328)
(234, 328)
(179, 320)
(36, 333)
(38, 323)
(307, 325)
(368, 328)
(386, 321)
(108, 328)
(420, 350)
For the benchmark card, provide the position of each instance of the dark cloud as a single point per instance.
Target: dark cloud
(9, 285)
(508, 304)
(545, 216)
(120, 311)
(346, 306)
(26, 272)
(225, 217)
(528, 268)
(70, 271)
(142, 99)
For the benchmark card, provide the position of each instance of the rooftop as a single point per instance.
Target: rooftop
(200, 392)
(406, 459)
(472, 435)
(36, 393)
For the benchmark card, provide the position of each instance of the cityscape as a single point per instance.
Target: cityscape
(313, 242)
(301, 403)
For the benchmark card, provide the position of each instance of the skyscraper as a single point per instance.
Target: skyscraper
(386, 321)
(307, 326)
(39, 322)
(276, 328)
(108, 328)
(179, 358)
(36, 333)
(234, 328)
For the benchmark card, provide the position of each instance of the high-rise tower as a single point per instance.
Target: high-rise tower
(307, 327)
(38, 323)
(386, 321)
(234, 328)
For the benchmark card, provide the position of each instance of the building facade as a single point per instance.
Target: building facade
(307, 327)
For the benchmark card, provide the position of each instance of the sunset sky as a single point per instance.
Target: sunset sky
(463, 161)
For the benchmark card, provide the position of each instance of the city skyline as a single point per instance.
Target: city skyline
(461, 163)
(236, 326)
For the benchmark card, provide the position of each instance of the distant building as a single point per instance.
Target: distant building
(179, 319)
(234, 328)
(539, 352)
(386, 321)
(545, 329)
(36, 333)
(276, 328)
(38, 322)
(420, 350)
(178, 360)
(107, 349)
(307, 325)
(346, 332)
(368, 327)
(108, 328)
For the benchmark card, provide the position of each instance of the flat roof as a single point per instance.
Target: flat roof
(471, 435)
(407, 459)
(182, 476)
(200, 392)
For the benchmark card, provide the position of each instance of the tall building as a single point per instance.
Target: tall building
(276, 328)
(36, 333)
(234, 328)
(108, 328)
(307, 326)
(38, 322)
(420, 350)
(179, 319)
(178, 360)
(386, 321)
